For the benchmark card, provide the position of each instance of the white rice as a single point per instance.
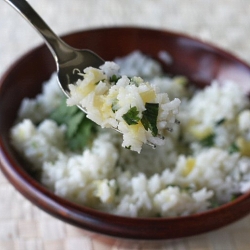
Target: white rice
(182, 177)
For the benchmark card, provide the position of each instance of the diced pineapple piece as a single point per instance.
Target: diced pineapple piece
(135, 129)
(91, 77)
(244, 120)
(190, 163)
(197, 131)
(99, 102)
(182, 80)
(148, 96)
(105, 190)
(244, 146)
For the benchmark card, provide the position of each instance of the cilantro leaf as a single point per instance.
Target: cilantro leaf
(80, 130)
(208, 141)
(75, 121)
(114, 78)
(84, 135)
(233, 148)
(234, 197)
(220, 122)
(61, 114)
(149, 117)
(131, 117)
(214, 203)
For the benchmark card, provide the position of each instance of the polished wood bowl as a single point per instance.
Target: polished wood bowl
(199, 61)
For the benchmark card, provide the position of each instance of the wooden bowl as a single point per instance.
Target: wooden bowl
(197, 60)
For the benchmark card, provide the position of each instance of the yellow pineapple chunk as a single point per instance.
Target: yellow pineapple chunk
(244, 146)
(148, 96)
(197, 131)
(190, 163)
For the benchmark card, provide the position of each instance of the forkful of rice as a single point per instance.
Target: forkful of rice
(130, 105)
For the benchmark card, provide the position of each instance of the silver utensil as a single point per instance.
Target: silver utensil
(67, 58)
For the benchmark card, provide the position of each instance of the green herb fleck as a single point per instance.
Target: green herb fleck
(98, 82)
(131, 117)
(149, 117)
(80, 130)
(220, 122)
(75, 121)
(172, 185)
(234, 196)
(233, 148)
(134, 81)
(128, 147)
(117, 191)
(214, 204)
(115, 105)
(187, 189)
(114, 78)
(208, 141)
(84, 135)
(34, 144)
(182, 189)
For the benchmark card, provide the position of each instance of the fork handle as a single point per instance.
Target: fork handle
(55, 44)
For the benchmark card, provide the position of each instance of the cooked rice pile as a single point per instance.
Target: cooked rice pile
(129, 104)
(203, 164)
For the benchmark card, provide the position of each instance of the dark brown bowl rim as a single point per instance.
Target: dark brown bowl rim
(100, 222)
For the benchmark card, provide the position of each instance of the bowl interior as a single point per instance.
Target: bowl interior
(199, 61)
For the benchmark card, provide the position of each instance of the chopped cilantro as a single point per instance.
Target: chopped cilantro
(114, 78)
(128, 147)
(134, 81)
(180, 138)
(172, 185)
(182, 189)
(74, 123)
(214, 204)
(233, 148)
(220, 122)
(80, 130)
(131, 117)
(84, 135)
(99, 82)
(234, 196)
(149, 117)
(117, 191)
(208, 141)
(115, 105)
(62, 113)
(187, 189)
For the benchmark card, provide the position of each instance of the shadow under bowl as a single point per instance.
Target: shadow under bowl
(200, 62)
